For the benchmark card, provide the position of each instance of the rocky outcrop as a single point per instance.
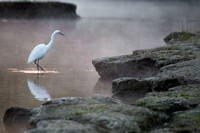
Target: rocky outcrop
(32, 10)
(92, 114)
(169, 75)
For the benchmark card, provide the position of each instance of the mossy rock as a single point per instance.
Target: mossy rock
(186, 121)
(178, 36)
(92, 114)
(182, 98)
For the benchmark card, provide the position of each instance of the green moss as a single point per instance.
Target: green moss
(153, 103)
(185, 36)
(172, 100)
(93, 108)
(184, 95)
(112, 59)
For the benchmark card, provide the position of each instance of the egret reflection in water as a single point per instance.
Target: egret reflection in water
(39, 91)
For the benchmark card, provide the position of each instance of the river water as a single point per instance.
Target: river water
(107, 28)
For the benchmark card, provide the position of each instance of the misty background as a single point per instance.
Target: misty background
(106, 28)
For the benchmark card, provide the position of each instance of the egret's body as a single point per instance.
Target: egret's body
(40, 51)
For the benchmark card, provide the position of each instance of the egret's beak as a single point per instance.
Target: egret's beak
(62, 34)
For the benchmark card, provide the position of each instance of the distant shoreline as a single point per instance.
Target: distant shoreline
(32, 10)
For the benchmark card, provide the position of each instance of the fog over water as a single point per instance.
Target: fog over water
(106, 28)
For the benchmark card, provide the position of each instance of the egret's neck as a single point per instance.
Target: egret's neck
(51, 42)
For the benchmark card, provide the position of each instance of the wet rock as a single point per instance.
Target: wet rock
(181, 98)
(92, 114)
(125, 66)
(32, 10)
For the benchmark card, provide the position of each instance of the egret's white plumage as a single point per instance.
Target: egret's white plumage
(40, 50)
(37, 53)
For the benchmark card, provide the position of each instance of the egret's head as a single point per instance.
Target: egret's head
(58, 32)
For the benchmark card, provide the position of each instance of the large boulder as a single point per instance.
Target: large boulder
(125, 66)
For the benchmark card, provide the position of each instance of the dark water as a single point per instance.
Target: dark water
(107, 28)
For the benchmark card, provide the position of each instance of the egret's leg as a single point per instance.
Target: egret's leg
(40, 66)
(36, 65)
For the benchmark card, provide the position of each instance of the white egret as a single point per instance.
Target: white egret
(40, 51)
